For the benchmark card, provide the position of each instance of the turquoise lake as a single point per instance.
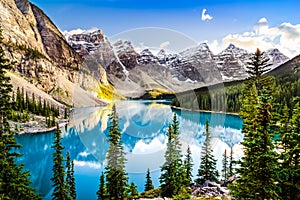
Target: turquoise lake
(143, 125)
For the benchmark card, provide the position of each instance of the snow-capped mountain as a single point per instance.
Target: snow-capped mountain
(97, 50)
(276, 58)
(126, 53)
(232, 62)
(146, 57)
(191, 68)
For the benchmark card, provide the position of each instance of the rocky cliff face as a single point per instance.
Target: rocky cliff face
(126, 54)
(42, 55)
(97, 45)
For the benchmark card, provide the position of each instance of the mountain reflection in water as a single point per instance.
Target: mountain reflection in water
(143, 125)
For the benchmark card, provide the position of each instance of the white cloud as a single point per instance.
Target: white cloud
(157, 144)
(285, 37)
(205, 16)
(79, 31)
(89, 164)
(261, 26)
(164, 44)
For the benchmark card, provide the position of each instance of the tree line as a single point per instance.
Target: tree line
(226, 97)
(22, 105)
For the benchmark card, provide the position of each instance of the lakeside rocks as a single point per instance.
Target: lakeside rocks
(210, 189)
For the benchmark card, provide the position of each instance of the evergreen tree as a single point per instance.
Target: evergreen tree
(71, 185)
(133, 192)
(207, 169)
(231, 163)
(172, 171)
(116, 177)
(14, 182)
(258, 167)
(101, 193)
(39, 106)
(290, 156)
(188, 167)
(65, 113)
(258, 65)
(58, 179)
(149, 184)
(225, 165)
(33, 106)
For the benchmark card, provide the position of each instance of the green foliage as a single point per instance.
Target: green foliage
(58, 179)
(132, 191)
(148, 184)
(258, 168)
(22, 105)
(216, 98)
(231, 164)
(172, 171)
(188, 168)
(212, 98)
(71, 185)
(151, 193)
(290, 156)
(14, 181)
(101, 193)
(258, 65)
(207, 169)
(183, 194)
(116, 177)
(225, 165)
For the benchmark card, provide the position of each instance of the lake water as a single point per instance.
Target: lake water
(143, 125)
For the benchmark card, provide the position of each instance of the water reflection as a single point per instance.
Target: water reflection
(143, 125)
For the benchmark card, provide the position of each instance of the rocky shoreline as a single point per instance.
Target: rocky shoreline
(36, 125)
(205, 111)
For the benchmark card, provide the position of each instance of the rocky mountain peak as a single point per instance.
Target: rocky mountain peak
(126, 53)
(146, 52)
(147, 57)
(162, 53)
(231, 46)
(276, 57)
(124, 47)
(95, 38)
(200, 52)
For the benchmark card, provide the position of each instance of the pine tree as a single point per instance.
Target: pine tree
(258, 167)
(207, 169)
(148, 184)
(116, 177)
(33, 106)
(231, 163)
(172, 171)
(225, 165)
(258, 65)
(101, 193)
(188, 167)
(133, 192)
(70, 180)
(14, 181)
(290, 156)
(58, 179)
(65, 113)
(39, 106)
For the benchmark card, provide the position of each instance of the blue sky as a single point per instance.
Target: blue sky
(223, 22)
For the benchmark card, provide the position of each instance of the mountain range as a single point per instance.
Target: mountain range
(64, 68)
(145, 70)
